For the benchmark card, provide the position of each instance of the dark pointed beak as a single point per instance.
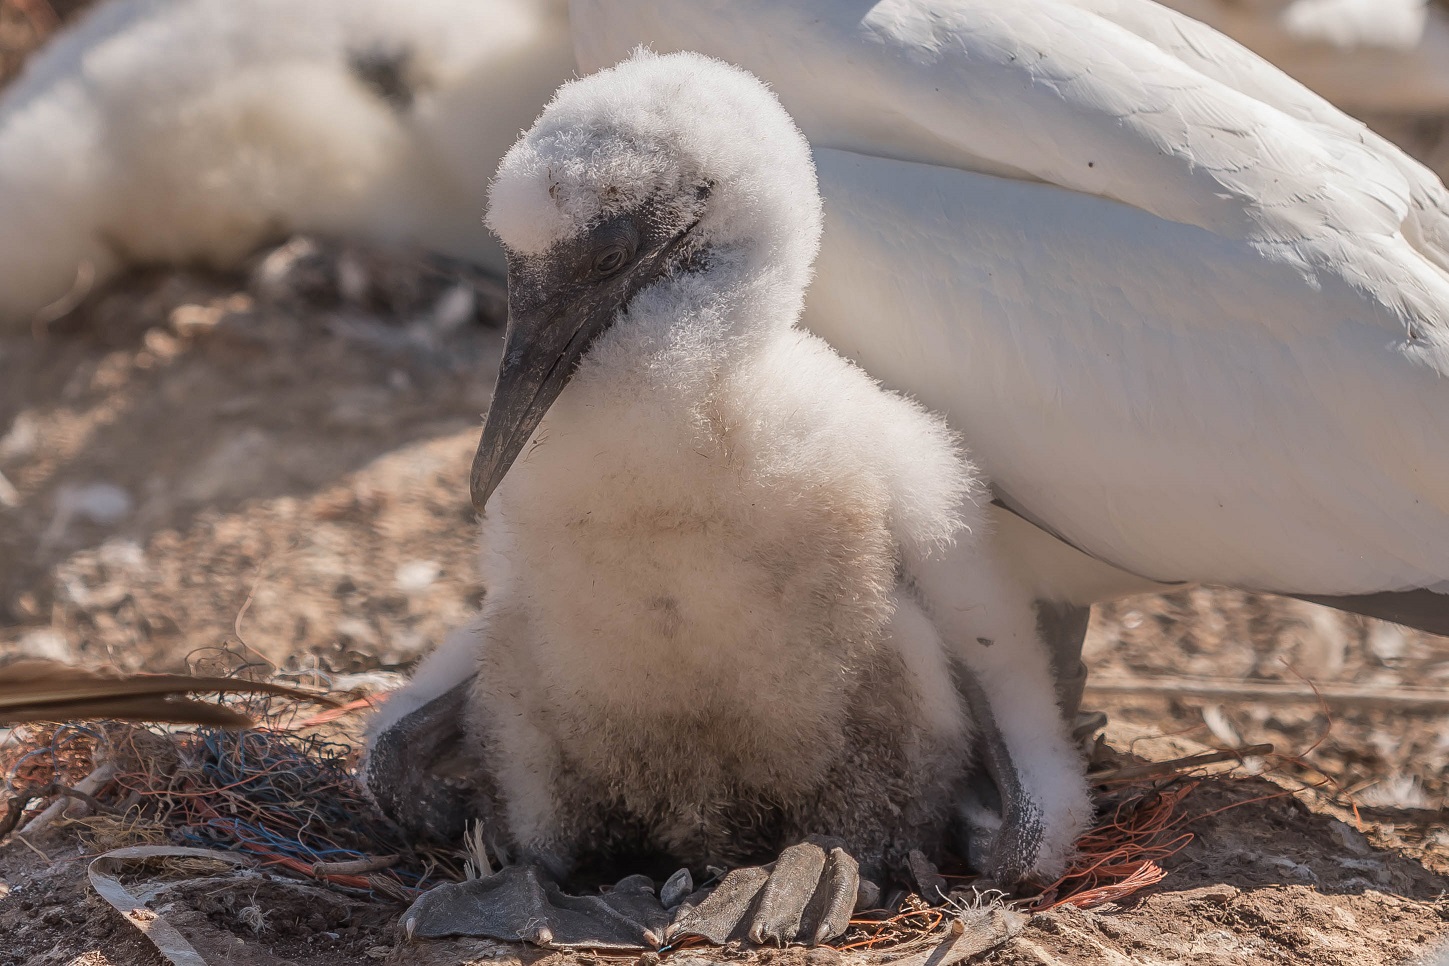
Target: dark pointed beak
(554, 315)
(550, 326)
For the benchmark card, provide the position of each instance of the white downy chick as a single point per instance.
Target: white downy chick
(192, 131)
(704, 634)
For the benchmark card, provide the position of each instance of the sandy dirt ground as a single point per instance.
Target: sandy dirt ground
(270, 466)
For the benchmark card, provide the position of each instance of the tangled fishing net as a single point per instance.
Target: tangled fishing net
(285, 792)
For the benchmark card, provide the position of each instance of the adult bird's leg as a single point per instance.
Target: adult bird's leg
(1062, 628)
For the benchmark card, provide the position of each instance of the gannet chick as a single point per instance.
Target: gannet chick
(193, 131)
(702, 636)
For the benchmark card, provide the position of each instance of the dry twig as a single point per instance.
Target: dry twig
(1274, 692)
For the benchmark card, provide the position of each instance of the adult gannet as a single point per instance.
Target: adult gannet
(708, 632)
(1191, 318)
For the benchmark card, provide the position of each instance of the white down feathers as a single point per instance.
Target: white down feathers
(717, 516)
(705, 443)
(676, 352)
(194, 130)
(703, 389)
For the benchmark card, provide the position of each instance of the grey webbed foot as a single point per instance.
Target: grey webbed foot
(417, 773)
(520, 903)
(806, 896)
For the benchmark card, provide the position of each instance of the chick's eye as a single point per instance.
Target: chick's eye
(610, 260)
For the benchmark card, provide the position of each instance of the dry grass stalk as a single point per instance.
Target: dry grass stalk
(1273, 692)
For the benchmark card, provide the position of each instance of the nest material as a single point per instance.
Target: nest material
(34, 690)
(287, 793)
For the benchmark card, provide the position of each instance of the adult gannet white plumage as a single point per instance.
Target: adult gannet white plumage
(1191, 318)
(706, 633)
